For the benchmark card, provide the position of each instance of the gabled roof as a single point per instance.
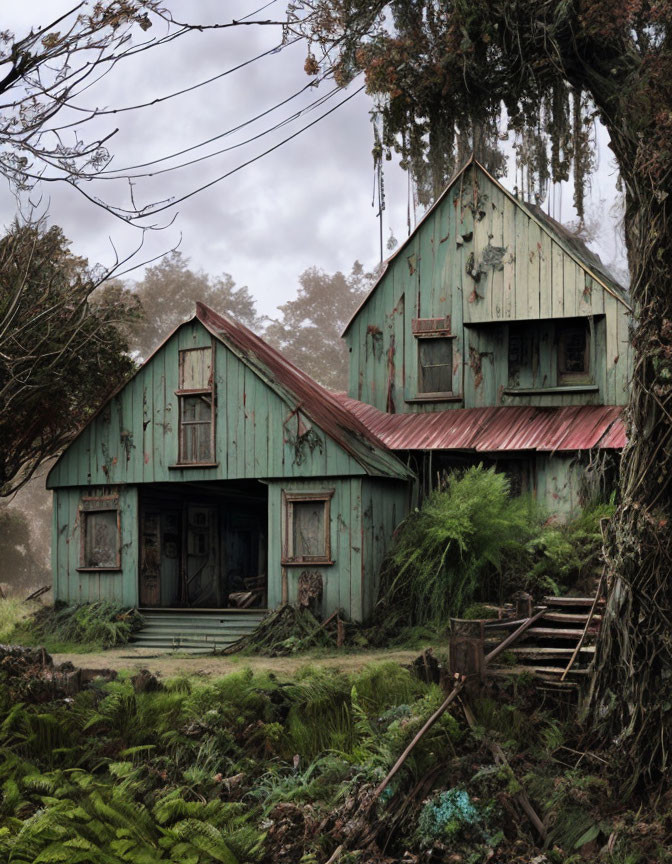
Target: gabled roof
(292, 385)
(572, 245)
(497, 429)
(304, 393)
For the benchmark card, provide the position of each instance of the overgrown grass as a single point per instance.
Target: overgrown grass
(77, 629)
(12, 612)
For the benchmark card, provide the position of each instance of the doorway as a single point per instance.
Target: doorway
(202, 548)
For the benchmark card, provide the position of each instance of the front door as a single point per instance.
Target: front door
(201, 584)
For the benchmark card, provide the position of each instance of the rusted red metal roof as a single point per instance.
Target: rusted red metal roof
(497, 429)
(303, 392)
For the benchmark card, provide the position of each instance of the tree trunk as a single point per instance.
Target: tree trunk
(631, 694)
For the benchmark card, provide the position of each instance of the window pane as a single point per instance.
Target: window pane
(196, 442)
(436, 365)
(519, 353)
(100, 539)
(196, 429)
(195, 369)
(573, 354)
(308, 530)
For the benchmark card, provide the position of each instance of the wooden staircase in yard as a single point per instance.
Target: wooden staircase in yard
(195, 631)
(558, 648)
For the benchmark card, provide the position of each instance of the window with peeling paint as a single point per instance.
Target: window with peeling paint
(307, 528)
(196, 399)
(100, 527)
(435, 365)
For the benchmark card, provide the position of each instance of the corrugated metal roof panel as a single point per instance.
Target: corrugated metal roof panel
(496, 429)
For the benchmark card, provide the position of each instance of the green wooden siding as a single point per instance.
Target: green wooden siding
(364, 513)
(134, 439)
(558, 480)
(71, 584)
(523, 273)
(384, 505)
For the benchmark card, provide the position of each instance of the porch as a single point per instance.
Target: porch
(203, 547)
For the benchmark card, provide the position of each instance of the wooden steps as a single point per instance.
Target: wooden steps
(195, 631)
(547, 647)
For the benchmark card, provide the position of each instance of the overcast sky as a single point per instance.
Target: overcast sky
(308, 203)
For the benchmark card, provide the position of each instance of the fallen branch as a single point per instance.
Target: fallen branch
(459, 684)
(500, 758)
(582, 638)
(512, 637)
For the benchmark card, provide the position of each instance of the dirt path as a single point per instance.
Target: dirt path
(170, 665)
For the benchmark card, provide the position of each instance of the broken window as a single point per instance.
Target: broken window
(307, 528)
(196, 398)
(573, 353)
(101, 529)
(519, 352)
(435, 364)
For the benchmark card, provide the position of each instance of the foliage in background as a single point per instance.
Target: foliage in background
(569, 554)
(87, 625)
(309, 330)
(20, 566)
(59, 356)
(12, 611)
(167, 294)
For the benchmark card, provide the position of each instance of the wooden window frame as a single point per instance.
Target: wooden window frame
(92, 504)
(565, 378)
(423, 336)
(183, 393)
(290, 498)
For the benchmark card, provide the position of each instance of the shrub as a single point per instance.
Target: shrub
(457, 545)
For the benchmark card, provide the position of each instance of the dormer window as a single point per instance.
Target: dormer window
(196, 400)
(435, 356)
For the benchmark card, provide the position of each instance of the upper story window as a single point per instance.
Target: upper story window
(549, 353)
(196, 400)
(573, 338)
(435, 355)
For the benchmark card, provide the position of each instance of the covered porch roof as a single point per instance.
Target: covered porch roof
(496, 429)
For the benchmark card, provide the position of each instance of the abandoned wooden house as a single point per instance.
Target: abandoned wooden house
(222, 478)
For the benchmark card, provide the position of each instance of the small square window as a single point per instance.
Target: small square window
(100, 526)
(435, 364)
(307, 528)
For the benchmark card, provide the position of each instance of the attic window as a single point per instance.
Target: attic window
(573, 352)
(307, 537)
(100, 534)
(196, 400)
